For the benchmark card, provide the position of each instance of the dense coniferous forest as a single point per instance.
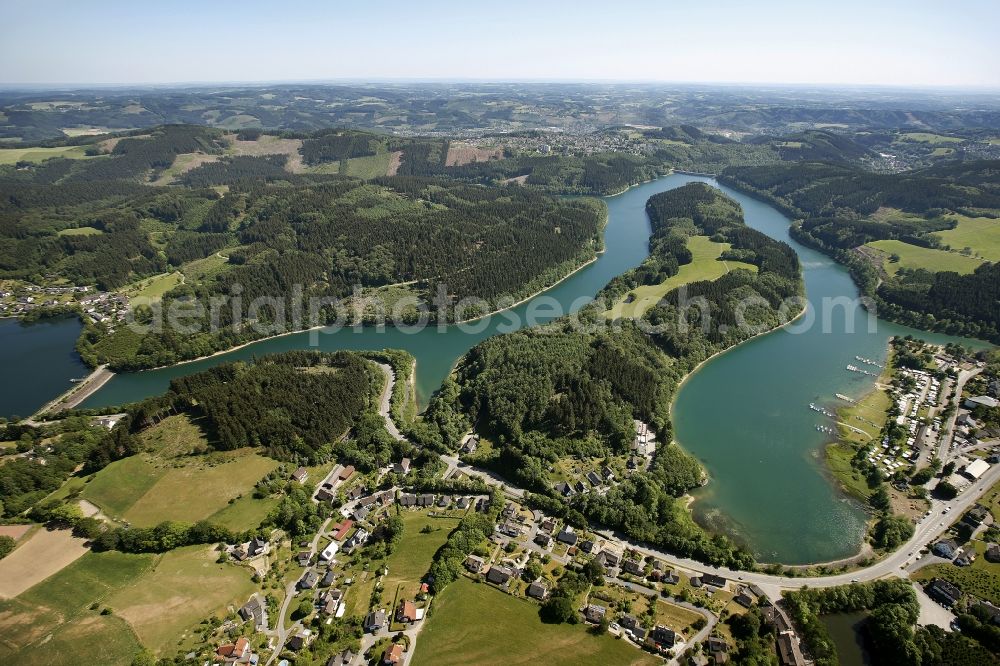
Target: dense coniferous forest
(836, 203)
(294, 405)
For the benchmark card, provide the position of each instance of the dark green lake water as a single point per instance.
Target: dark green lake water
(744, 414)
(36, 363)
(845, 630)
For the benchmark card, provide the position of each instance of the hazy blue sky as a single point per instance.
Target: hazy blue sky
(901, 42)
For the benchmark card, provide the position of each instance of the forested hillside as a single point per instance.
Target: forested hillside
(548, 393)
(842, 210)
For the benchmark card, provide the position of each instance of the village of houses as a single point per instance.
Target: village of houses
(18, 299)
(663, 610)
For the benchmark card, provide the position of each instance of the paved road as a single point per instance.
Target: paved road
(280, 632)
(927, 530)
(710, 618)
(385, 402)
(949, 427)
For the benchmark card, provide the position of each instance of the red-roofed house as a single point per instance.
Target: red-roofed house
(233, 653)
(346, 472)
(406, 612)
(343, 528)
(393, 655)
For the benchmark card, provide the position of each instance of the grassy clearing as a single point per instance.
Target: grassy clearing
(913, 256)
(245, 513)
(155, 287)
(57, 613)
(172, 480)
(982, 234)
(119, 485)
(80, 231)
(676, 617)
(15, 155)
(705, 265)
(372, 166)
(42, 554)
(91, 639)
(928, 137)
(183, 587)
(475, 624)
(202, 269)
(412, 557)
(195, 491)
(942, 152)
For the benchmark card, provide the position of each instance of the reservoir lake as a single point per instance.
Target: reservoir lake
(744, 413)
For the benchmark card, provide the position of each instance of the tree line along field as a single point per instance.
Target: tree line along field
(153, 600)
(472, 623)
(914, 256)
(980, 234)
(39, 154)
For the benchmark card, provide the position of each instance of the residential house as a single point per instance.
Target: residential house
(664, 637)
(235, 653)
(254, 611)
(298, 641)
(407, 499)
(355, 493)
(564, 489)
(567, 535)
(633, 626)
(579, 487)
(586, 546)
(402, 467)
(342, 528)
(977, 515)
(594, 613)
(341, 659)
(946, 548)
(548, 525)
(357, 539)
(328, 578)
(743, 599)
(330, 550)
(443, 501)
(594, 478)
(300, 475)
(607, 473)
(789, 653)
(510, 529)
(346, 473)
(499, 575)
(462, 503)
(325, 493)
(426, 499)
(375, 621)
(407, 612)
(308, 580)
(303, 558)
(474, 563)
(543, 540)
(633, 567)
(392, 655)
(537, 590)
(993, 553)
(713, 580)
(670, 576)
(944, 592)
(609, 559)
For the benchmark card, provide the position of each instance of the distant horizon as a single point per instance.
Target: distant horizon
(118, 43)
(69, 86)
